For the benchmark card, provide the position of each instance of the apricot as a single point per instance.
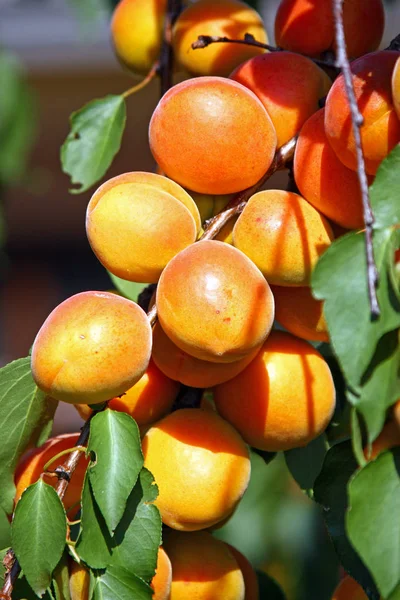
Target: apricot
(214, 303)
(136, 31)
(201, 466)
(372, 77)
(388, 438)
(289, 86)
(300, 313)
(203, 568)
(349, 589)
(225, 18)
(187, 369)
(92, 347)
(396, 87)
(203, 129)
(31, 466)
(283, 235)
(249, 575)
(136, 222)
(79, 581)
(307, 26)
(285, 397)
(161, 582)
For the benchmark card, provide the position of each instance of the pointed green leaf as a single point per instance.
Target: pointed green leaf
(305, 463)
(129, 289)
(119, 584)
(25, 412)
(5, 530)
(39, 530)
(268, 588)
(384, 192)
(94, 140)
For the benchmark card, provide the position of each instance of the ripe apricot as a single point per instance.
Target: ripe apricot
(283, 235)
(161, 582)
(201, 466)
(187, 369)
(349, 589)
(295, 19)
(31, 466)
(285, 397)
(289, 86)
(388, 438)
(322, 178)
(79, 581)
(136, 222)
(203, 568)
(214, 303)
(249, 575)
(372, 77)
(230, 18)
(396, 87)
(300, 313)
(136, 31)
(92, 347)
(203, 129)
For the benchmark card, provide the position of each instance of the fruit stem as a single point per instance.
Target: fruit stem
(149, 77)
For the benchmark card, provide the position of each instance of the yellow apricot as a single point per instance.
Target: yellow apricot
(201, 466)
(249, 575)
(79, 581)
(283, 235)
(214, 303)
(136, 222)
(396, 87)
(92, 347)
(349, 589)
(284, 399)
(161, 582)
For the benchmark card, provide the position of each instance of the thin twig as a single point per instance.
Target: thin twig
(357, 122)
(149, 77)
(174, 8)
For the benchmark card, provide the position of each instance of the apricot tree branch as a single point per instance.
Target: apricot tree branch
(357, 122)
(174, 8)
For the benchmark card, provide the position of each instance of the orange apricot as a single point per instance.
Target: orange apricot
(79, 581)
(92, 347)
(136, 31)
(283, 235)
(372, 76)
(301, 314)
(284, 399)
(201, 466)
(31, 466)
(289, 86)
(203, 568)
(396, 87)
(388, 438)
(136, 222)
(230, 18)
(187, 369)
(161, 582)
(349, 589)
(203, 128)
(323, 179)
(214, 303)
(295, 19)
(249, 575)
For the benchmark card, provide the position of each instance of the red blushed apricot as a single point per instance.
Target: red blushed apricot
(230, 18)
(31, 466)
(214, 303)
(161, 582)
(284, 399)
(298, 312)
(136, 222)
(283, 235)
(79, 581)
(372, 77)
(212, 135)
(322, 178)
(349, 589)
(249, 575)
(288, 85)
(203, 568)
(307, 26)
(92, 347)
(201, 466)
(191, 371)
(396, 87)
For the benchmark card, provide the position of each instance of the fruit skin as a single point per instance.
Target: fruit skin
(295, 19)
(92, 347)
(289, 86)
(396, 87)
(298, 312)
(284, 399)
(372, 76)
(161, 582)
(203, 568)
(31, 466)
(349, 589)
(136, 32)
(203, 128)
(323, 179)
(283, 235)
(213, 302)
(201, 465)
(249, 575)
(136, 222)
(230, 18)
(79, 581)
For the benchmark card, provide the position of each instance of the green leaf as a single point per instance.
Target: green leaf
(39, 530)
(115, 440)
(129, 289)
(356, 438)
(305, 463)
(119, 584)
(94, 139)
(372, 524)
(5, 530)
(268, 588)
(384, 192)
(61, 579)
(25, 412)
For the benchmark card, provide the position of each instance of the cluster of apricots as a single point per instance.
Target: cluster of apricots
(214, 135)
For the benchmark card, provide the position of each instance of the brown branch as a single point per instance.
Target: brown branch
(174, 8)
(357, 122)
(394, 44)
